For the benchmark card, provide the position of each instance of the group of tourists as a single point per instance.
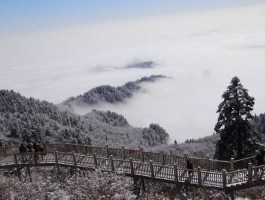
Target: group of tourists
(29, 148)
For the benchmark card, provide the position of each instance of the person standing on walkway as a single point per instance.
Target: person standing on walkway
(259, 156)
(29, 147)
(22, 150)
(189, 165)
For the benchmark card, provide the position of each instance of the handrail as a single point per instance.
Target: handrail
(243, 163)
(160, 172)
(140, 155)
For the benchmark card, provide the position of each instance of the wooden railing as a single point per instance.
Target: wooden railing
(140, 155)
(150, 170)
(158, 158)
(242, 163)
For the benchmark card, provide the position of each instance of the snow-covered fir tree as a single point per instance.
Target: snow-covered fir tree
(236, 134)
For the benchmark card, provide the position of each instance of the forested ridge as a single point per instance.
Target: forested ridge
(28, 119)
(109, 94)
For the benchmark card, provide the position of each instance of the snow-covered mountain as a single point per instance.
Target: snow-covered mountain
(28, 119)
(108, 94)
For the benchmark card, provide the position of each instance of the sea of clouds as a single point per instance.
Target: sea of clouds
(200, 51)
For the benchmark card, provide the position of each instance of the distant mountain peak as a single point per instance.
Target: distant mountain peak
(142, 65)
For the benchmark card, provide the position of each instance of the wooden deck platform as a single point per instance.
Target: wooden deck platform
(165, 168)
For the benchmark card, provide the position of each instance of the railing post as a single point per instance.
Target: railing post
(131, 164)
(199, 176)
(102, 151)
(255, 161)
(185, 160)
(15, 159)
(35, 158)
(87, 149)
(65, 147)
(16, 163)
(112, 163)
(76, 148)
(224, 174)
(208, 163)
(250, 169)
(176, 173)
(81, 149)
(90, 150)
(44, 147)
(162, 160)
(142, 154)
(84, 149)
(152, 169)
(56, 158)
(232, 165)
(95, 160)
(122, 153)
(71, 147)
(74, 160)
(106, 151)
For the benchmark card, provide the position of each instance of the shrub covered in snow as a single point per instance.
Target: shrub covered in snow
(64, 184)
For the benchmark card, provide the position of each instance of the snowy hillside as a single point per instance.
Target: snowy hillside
(108, 94)
(28, 119)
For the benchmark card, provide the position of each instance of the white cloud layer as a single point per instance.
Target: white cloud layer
(202, 51)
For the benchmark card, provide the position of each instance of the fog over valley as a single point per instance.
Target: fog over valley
(199, 52)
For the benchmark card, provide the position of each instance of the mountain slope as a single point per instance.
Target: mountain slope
(28, 119)
(107, 93)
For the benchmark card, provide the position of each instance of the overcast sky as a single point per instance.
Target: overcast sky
(31, 15)
(52, 50)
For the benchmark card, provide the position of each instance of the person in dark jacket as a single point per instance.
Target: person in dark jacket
(35, 147)
(259, 156)
(40, 149)
(189, 166)
(22, 150)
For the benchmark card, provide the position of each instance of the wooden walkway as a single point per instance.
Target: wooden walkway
(137, 166)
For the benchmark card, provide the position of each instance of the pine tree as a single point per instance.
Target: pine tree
(236, 134)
